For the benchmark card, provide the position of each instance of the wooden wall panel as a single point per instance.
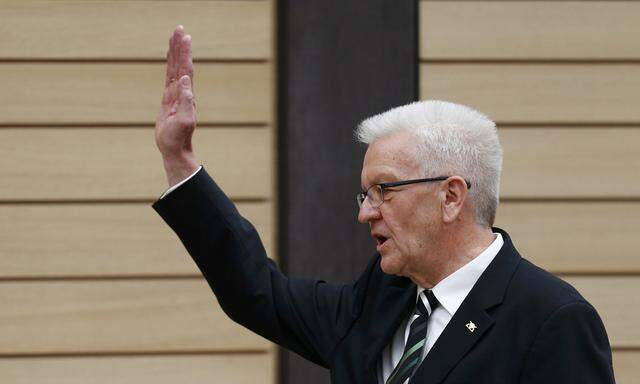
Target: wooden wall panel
(234, 368)
(617, 302)
(116, 163)
(182, 315)
(570, 162)
(109, 93)
(563, 92)
(541, 30)
(94, 286)
(625, 366)
(134, 29)
(562, 80)
(133, 316)
(575, 237)
(63, 240)
(540, 93)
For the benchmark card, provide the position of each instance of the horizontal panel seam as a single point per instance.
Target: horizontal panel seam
(529, 61)
(265, 351)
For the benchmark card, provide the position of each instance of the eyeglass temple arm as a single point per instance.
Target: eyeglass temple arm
(406, 182)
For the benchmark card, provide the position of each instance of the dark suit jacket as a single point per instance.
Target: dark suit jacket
(531, 326)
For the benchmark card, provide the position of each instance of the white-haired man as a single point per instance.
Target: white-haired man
(446, 299)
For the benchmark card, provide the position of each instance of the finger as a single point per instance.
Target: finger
(190, 64)
(169, 59)
(167, 98)
(178, 34)
(173, 55)
(186, 104)
(186, 58)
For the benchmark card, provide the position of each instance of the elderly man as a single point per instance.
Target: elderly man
(446, 299)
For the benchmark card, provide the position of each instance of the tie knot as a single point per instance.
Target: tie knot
(431, 298)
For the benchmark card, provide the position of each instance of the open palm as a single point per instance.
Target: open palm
(176, 120)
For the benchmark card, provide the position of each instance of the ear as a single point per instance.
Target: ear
(455, 191)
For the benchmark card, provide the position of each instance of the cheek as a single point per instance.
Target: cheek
(413, 231)
(404, 233)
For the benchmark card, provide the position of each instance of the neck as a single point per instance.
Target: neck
(455, 249)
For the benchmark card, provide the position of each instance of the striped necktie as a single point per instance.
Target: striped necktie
(415, 342)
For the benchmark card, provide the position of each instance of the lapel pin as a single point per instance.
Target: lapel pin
(471, 326)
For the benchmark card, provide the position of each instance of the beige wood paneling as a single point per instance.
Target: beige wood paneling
(529, 30)
(550, 63)
(235, 368)
(625, 367)
(579, 236)
(132, 316)
(79, 171)
(616, 300)
(56, 240)
(59, 93)
(130, 239)
(182, 315)
(113, 29)
(540, 93)
(123, 163)
(568, 162)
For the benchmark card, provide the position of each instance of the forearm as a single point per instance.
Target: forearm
(180, 168)
(209, 225)
(306, 316)
(176, 186)
(221, 242)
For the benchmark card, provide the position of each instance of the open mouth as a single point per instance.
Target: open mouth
(380, 240)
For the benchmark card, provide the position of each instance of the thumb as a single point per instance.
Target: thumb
(186, 103)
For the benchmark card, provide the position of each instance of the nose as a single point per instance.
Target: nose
(368, 213)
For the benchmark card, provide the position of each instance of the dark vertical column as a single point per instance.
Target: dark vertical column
(339, 62)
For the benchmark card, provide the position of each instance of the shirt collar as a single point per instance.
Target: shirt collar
(453, 289)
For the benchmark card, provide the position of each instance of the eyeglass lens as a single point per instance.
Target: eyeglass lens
(374, 194)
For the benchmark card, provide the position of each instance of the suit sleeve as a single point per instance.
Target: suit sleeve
(571, 347)
(306, 316)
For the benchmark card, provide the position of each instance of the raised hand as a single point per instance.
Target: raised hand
(176, 121)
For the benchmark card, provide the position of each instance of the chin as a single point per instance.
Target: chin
(390, 264)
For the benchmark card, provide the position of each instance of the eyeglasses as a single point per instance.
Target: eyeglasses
(375, 193)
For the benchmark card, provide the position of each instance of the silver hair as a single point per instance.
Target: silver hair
(453, 139)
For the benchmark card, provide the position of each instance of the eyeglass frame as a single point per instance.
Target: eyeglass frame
(383, 186)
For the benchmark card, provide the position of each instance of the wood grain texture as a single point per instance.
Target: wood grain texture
(132, 316)
(182, 315)
(625, 367)
(113, 29)
(539, 93)
(472, 30)
(234, 368)
(570, 162)
(77, 93)
(575, 237)
(617, 302)
(100, 240)
(123, 163)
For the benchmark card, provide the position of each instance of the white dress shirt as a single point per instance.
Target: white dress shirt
(450, 292)
(168, 191)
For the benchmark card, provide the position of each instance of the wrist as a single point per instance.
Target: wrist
(179, 168)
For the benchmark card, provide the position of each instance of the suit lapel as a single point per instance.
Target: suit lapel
(458, 338)
(398, 300)
(454, 342)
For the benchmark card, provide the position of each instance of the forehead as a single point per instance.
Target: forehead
(391, 157)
